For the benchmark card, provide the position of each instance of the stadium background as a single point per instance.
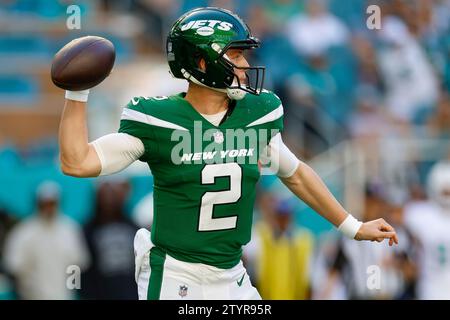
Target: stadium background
(368, 109)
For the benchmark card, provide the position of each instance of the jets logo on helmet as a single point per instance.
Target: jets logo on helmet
(207, 33)
(198, 24)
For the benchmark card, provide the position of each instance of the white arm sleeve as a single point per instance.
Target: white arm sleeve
(280, 158)
(117, 151)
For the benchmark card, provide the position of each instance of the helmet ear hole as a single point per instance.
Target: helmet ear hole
(202, 64)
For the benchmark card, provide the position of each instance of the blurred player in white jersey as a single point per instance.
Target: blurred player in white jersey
(430, 224)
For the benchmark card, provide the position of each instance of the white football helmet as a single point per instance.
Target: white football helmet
(439, 185)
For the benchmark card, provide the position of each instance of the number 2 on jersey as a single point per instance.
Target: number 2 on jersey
(209, 199)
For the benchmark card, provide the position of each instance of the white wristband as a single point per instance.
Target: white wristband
(350, 226)
(81, 96)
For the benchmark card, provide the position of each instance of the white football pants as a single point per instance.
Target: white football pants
(160, 276)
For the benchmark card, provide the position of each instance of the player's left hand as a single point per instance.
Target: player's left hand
(377, 230)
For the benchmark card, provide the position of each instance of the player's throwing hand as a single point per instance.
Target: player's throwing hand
(377, 230)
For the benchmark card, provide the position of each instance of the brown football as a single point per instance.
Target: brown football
(83, 63)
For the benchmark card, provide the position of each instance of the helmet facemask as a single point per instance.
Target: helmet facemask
(254, 74)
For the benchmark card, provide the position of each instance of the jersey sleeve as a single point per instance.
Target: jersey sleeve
(134, 121)
(283, 162)
(117, 151)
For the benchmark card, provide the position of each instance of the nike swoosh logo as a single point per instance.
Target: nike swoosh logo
(135, 102)
(239, 282)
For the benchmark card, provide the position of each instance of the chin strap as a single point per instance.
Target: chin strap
(236, 94)
(233, 94)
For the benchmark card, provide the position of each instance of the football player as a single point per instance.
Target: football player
(203, 191)
(429, 223)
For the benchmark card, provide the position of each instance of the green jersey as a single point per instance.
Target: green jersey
(204, 175)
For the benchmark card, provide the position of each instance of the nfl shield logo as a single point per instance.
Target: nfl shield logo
(218, 137)
(183, 291)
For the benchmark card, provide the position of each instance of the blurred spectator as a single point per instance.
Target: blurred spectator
(311, 101)
(110, 240)
(405, 253)
(411, 83)
(429, 223)
(158, 16)
(6, 223)
(258, 21)
(316, 30)
(367, 122)
(320, 82)
(280, 11)
(39, 250)
(367, 67)
(321, 286)
(281, 253)
(368, 126)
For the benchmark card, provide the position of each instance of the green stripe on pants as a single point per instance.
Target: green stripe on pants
(157, 258)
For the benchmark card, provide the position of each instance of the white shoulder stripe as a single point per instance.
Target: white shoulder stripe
(271, 116)
(129, 114)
